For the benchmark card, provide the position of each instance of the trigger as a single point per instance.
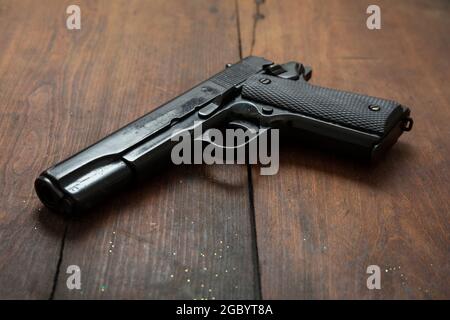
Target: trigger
(236, 124)
(243, 124)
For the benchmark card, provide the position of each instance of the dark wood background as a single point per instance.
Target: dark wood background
(224, 232)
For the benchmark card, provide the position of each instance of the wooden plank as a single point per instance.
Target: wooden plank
(187, 233)
(324, 219)
(30, 94)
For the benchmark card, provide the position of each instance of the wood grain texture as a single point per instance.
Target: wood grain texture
(324, 219)
(30, 122)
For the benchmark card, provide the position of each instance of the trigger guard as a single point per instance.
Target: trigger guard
(243, 124)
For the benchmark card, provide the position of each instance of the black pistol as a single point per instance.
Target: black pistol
(254, 91)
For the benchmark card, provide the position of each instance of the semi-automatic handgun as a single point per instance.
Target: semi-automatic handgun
(253, 91)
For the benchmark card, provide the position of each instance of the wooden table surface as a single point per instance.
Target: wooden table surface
(224, 232)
